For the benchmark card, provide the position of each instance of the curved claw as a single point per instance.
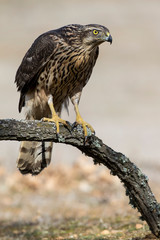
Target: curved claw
(84, 125)
(80, 121)
(74, 125)
(56, 120)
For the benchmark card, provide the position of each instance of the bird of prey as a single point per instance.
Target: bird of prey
(55, 69)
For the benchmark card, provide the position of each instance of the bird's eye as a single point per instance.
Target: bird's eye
(95, 32)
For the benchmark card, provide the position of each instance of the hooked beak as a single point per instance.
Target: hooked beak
(109, 38)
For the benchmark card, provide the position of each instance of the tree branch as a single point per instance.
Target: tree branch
(135, 182)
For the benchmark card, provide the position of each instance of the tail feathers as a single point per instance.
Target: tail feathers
(34, 157)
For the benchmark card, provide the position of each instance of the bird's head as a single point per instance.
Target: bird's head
(89, 36)
(94, 34)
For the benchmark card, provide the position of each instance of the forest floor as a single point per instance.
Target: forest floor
(82, 201)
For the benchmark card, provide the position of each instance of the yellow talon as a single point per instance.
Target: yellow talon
(79, 120)
(84, 125)
(55, 118)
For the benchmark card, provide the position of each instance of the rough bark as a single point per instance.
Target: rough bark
(134, 181)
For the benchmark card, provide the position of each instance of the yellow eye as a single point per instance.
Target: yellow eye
(95, 32)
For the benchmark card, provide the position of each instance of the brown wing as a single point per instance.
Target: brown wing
(33, 64)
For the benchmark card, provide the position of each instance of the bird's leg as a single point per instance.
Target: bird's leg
(55, 118)
(79, 120)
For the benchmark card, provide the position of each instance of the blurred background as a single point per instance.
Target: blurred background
(122, 95)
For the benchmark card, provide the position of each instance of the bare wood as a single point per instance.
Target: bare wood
(134, 181)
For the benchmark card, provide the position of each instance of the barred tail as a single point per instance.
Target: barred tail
(34, 157)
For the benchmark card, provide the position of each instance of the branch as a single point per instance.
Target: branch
(135, 182)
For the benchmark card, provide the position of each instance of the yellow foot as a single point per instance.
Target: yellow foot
(56, 120)
(84, 124)
(79, 120)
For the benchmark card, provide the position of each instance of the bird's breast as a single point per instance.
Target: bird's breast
(67, 74)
